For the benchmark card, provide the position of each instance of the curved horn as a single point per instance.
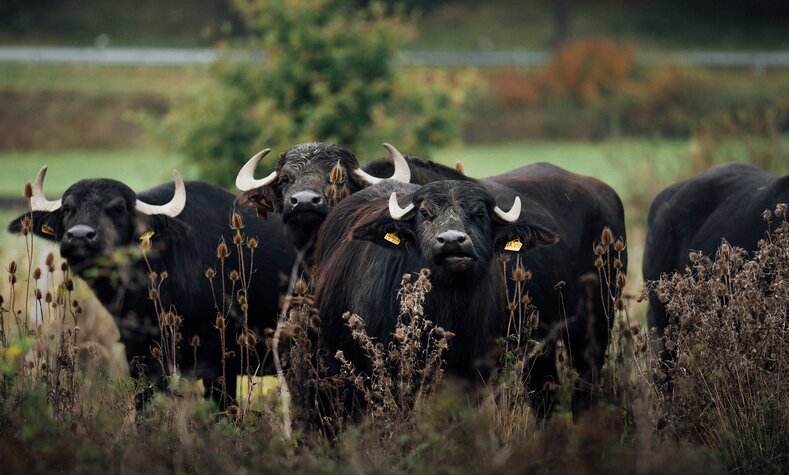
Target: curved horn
(37, 200)
(171, 209)
(512, 215)
(395, 210)
(245, 180)
(401, 173)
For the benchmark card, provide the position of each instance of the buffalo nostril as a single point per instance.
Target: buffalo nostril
(91, 235)
(69, 236)
(316, 200)
(452, 237)
(293, 200)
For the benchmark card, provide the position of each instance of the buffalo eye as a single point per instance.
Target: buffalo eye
(426, 214)
(284, 179)
(118, 209)
(481, 214)
(67, 210)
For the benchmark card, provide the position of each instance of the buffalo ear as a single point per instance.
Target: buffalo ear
(530, 235)
(163, 227)
(386, 231)
(264, 199)
(45, 224)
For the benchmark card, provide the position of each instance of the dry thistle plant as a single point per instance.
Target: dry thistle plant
(44, 349)
(729, 334)
(232, 303)
(399, 376)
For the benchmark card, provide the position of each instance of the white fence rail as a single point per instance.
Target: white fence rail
(757, 60)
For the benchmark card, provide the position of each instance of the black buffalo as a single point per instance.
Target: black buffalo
(308, 180)
(454, 229)
(698, 214)
(98, 220)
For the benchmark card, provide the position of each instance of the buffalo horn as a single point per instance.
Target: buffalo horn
(171, 209)
(37, 200)
(512, 215)
(395, 210)
(401, 171)
(245, 180)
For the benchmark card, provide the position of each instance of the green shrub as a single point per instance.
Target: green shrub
(329, 75)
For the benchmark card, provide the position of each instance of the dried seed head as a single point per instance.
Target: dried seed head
(780, 209)
(725, 251)
(619, 245)
(47, 298)
(519, 274)
(237, 238)
(164, 275)
(70, 285)
(617, 263)
(222, 251)
(599, 262)
(50, 259)
(534, 320)
(152, 276)
(767, 215)
(145, 244)
(336, 175)
(156, 352)
(252, 243)
(330, 192)
(300, 287)
(26, 225)
(220, 322)
(620, 304)
(344, 193)
(621, 280)
(153, 294)
(459, 168)
(12, 267)
(233, 275)
(210, 272)
(599, 250)
(37, 294)
(607, 236)
(63, 266)
(195, 342)
(236, 221)
(28, 191)
(36, 273)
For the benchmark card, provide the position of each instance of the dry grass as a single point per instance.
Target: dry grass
(730, 334)
(61, 408)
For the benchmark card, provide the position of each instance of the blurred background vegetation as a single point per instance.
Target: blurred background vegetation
(335, 71)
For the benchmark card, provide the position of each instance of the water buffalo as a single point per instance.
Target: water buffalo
(723, 203)
(308, 180)
(98, 223)
(455, 229)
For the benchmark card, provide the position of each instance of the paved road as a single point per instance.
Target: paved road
(757, 60)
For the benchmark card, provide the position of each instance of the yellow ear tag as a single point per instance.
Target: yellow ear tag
(393, 238)
(47, 229)
(515, 245)
(147, 235)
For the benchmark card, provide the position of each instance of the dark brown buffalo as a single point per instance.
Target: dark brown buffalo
(97, 220)
(308, 180)
(725, 203)
(454, 231)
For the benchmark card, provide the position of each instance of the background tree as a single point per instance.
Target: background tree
(330, 74)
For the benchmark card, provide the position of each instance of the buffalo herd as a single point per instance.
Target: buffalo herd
(361, 228)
